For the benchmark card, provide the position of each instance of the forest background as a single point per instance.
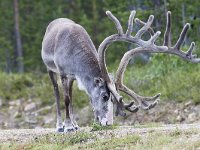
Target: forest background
(23, 24)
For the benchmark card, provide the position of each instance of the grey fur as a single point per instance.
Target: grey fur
(67, 50)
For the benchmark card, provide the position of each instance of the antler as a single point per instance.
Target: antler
(144, 46)
(121, 105)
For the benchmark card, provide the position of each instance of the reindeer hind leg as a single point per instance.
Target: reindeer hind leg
(59, 124)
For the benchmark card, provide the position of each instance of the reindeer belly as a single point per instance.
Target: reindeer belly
(49, 62)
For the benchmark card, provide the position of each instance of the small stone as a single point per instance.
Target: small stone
(188, 103)
(10, 107)
(16, 115)
(30, 107)
(179, 118)
(176, 111)
(38, 127)
(48, 120)
(192, 117)
(186, 110)
(31, 120)
(15, 103)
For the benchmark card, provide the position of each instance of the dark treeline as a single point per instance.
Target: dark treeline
(23, 24)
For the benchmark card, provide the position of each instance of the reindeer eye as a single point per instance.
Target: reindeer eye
(105, 97)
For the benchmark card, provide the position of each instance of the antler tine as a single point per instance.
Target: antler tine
(132, 109)
(189, 52)
(144, 102)
(154, 37)
(113, 90)
(176, 48)
(145, 27)
(150, 30)
(130, 23)
(182, 36)
(116, 21)
(123, 106)
(167, 41)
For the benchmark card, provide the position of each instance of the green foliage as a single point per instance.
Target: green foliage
(36, 15)
(176, 132)
(53, 141)
(148, 125)
(113, 143)
(98, 127)
(166, 74)
(169, 138)
(37, 87)
(174, 78)
(67, 139)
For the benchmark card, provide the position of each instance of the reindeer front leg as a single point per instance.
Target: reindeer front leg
(59, 124)
(69, 124)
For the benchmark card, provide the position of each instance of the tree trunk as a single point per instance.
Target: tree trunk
(95, 20)
(183, 20)
(8, 66)
(18, 44)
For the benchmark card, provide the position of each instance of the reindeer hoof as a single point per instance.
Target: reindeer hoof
(69, 129)
(60, 129)
(77, 127)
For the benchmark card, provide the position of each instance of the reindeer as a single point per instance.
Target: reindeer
(68, 51)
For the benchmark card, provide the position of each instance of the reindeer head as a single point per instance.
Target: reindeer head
(101, 102)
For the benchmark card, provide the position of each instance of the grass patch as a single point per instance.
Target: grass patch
(174, 78)
(176, 139)
(52, 141)
(66, 139)
(37, 87)
(113, 143)
(98, 127)
(148, 125)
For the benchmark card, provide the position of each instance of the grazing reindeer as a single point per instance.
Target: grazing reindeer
(67, 50)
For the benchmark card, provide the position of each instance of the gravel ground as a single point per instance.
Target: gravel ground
(26, 135)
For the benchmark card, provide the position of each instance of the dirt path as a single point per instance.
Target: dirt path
(26, 135)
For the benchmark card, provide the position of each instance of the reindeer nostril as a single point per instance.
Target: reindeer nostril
(97, 119)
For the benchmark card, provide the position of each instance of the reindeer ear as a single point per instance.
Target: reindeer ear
(98, 81)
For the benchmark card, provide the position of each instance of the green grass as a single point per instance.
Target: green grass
(37, 87)
(68, 139)
(175, 139)
(174, 78)
(98, 127)
(53, 141)
(113, 143)
(148, 125)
